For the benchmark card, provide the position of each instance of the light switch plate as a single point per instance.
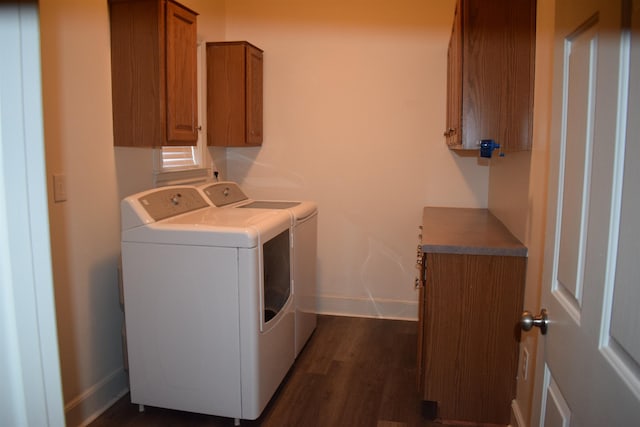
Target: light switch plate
(59, 187)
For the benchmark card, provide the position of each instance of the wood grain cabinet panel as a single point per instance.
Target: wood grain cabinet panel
(234, 94)
(469, 310)
(490, 74)
(153, 73)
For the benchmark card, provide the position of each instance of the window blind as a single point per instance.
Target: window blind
(178, 157)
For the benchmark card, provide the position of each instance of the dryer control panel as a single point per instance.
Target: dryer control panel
(224, 193)
(165, 203)
(160, 203)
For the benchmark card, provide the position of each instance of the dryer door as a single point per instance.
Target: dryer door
(276, 257)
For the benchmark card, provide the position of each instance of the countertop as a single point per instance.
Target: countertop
(467, 231)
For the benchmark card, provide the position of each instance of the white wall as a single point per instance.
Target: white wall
(354, 110)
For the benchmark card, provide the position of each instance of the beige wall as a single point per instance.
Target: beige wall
(518, 196)
(354, 114)
(84, 229)
(509, 191)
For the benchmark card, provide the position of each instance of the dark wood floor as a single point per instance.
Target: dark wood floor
(353, 372)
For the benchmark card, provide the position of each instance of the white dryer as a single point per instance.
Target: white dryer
(304, 220)
(208, 303)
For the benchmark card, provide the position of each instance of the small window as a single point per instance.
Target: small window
(180, 165)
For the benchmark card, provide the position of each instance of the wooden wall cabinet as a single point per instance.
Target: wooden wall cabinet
(490, 74)
(153, 73)
(234, 94)
(469, 312)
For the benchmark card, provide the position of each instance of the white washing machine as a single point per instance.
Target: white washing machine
(208, 303)
(304, 220)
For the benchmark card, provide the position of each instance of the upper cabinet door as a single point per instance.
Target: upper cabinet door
(182, 101)
(453, 130)
(234, 94)
(254, 95)
(490, 72)
(153, 73)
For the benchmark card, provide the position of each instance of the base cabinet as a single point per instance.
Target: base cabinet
(469, 311)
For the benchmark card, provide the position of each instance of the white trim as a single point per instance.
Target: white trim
(367, 307)
(516, 415)
(89, 405)
(546, 383)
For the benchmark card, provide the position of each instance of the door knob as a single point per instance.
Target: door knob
(528, 321)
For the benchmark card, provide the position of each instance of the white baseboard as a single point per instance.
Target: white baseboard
(517, 420)
(367, 307)
(96, 399)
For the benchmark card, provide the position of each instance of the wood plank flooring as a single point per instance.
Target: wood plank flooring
(353, 372)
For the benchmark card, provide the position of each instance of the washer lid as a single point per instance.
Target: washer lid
(228, 218)
(299, 209)
(269, 204)
(213, 227)
(229, 195)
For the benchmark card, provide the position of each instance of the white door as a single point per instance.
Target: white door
(590, 366)
(30, 389)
